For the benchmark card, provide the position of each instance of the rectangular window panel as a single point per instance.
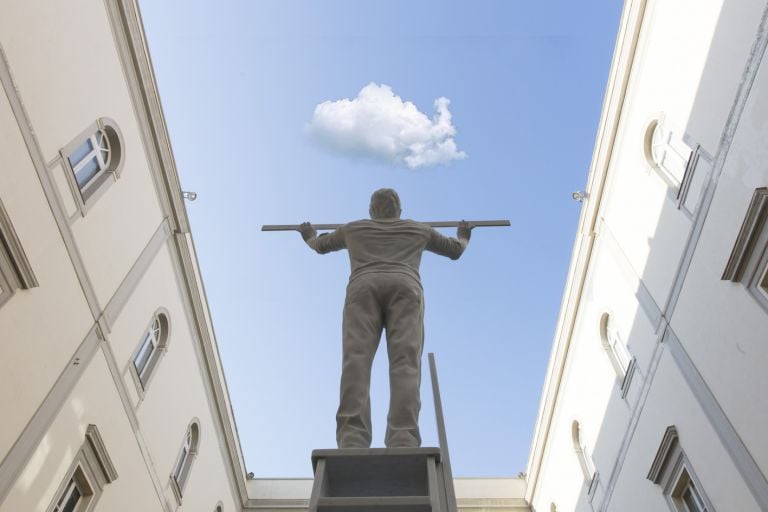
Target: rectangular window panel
(622, 355)
(70, 498)
(80, 153)
(86, 173)
(699, 174)
(763, 286)
(692, 500)
(145, 353)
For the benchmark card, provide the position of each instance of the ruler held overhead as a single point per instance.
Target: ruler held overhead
(438, 224)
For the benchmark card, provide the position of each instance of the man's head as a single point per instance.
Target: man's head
(385, 204)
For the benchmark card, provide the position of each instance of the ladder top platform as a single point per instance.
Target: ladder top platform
(356, 455)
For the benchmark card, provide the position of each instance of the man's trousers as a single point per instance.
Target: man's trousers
(377, 301)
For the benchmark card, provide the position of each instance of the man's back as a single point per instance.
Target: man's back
(387, 245)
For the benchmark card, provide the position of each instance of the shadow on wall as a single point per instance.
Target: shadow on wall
(630, 423)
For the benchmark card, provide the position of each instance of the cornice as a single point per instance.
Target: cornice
(613, 102)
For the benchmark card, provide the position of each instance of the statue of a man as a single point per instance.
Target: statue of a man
(384, 292)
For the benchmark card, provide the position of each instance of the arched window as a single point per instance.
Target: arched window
(94, 159)
(585, 460)
(219, 507)
(185, 459)
(153, 344)
(666, 152)
(614, 346)
(552, 507)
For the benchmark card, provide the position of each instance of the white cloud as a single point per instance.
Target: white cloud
(379, 123)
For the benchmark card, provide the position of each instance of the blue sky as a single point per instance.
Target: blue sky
(239, 82)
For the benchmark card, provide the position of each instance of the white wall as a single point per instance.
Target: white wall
(690, 65)
(65, 62)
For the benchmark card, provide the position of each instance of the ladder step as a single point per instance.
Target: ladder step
(374, 504)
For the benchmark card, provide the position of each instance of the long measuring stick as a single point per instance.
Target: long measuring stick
(439, 224)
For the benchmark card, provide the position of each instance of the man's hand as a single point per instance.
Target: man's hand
(464, 231)
(307, 231)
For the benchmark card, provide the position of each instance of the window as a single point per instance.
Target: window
(694, 181)
(15, 270)
(748, 262)
(91, 470)
(184, 460)
(686, 496)
(621, 360)
(93, 160)
(666, 152)
(671, 470)
(582, 452)
(219, 507)
(763, 286)
(153, 344)
(89, 159)
(76, 495)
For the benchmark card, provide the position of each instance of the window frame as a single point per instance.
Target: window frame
(762, 282)
(182, 467)
(674, 146)
(91, 470)
(697, 172)
(83, 480)
(671, 470)
(6, 289)
(617, 350)
(15, 270)
(87, 194)
(748, 261)
(682, 483)
(588, 469)
(143, 377)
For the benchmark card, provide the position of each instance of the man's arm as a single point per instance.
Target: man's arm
(450, 247)
(324, 243)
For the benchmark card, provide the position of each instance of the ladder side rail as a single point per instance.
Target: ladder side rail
(443, 439)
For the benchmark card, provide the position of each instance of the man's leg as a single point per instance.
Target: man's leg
(361, 332)
(405, 341)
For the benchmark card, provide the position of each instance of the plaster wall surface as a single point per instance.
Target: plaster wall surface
(670, 402)
(719, 322)
(66, 73)
(40, 328)
(93, 401)
(591, 392)
(65, 64)
(655, 263)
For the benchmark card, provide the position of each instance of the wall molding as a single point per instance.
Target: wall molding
(742, 459)
(634, 421)
(642, 294)
(26, 444)
(93, 437)
(729, 131)
(130, 413)
(668, 442)
(751, 228)
(49, 188)
(135, 274)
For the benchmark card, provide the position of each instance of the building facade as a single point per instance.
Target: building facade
(112, 390)
(655, 396)
(112, 387)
